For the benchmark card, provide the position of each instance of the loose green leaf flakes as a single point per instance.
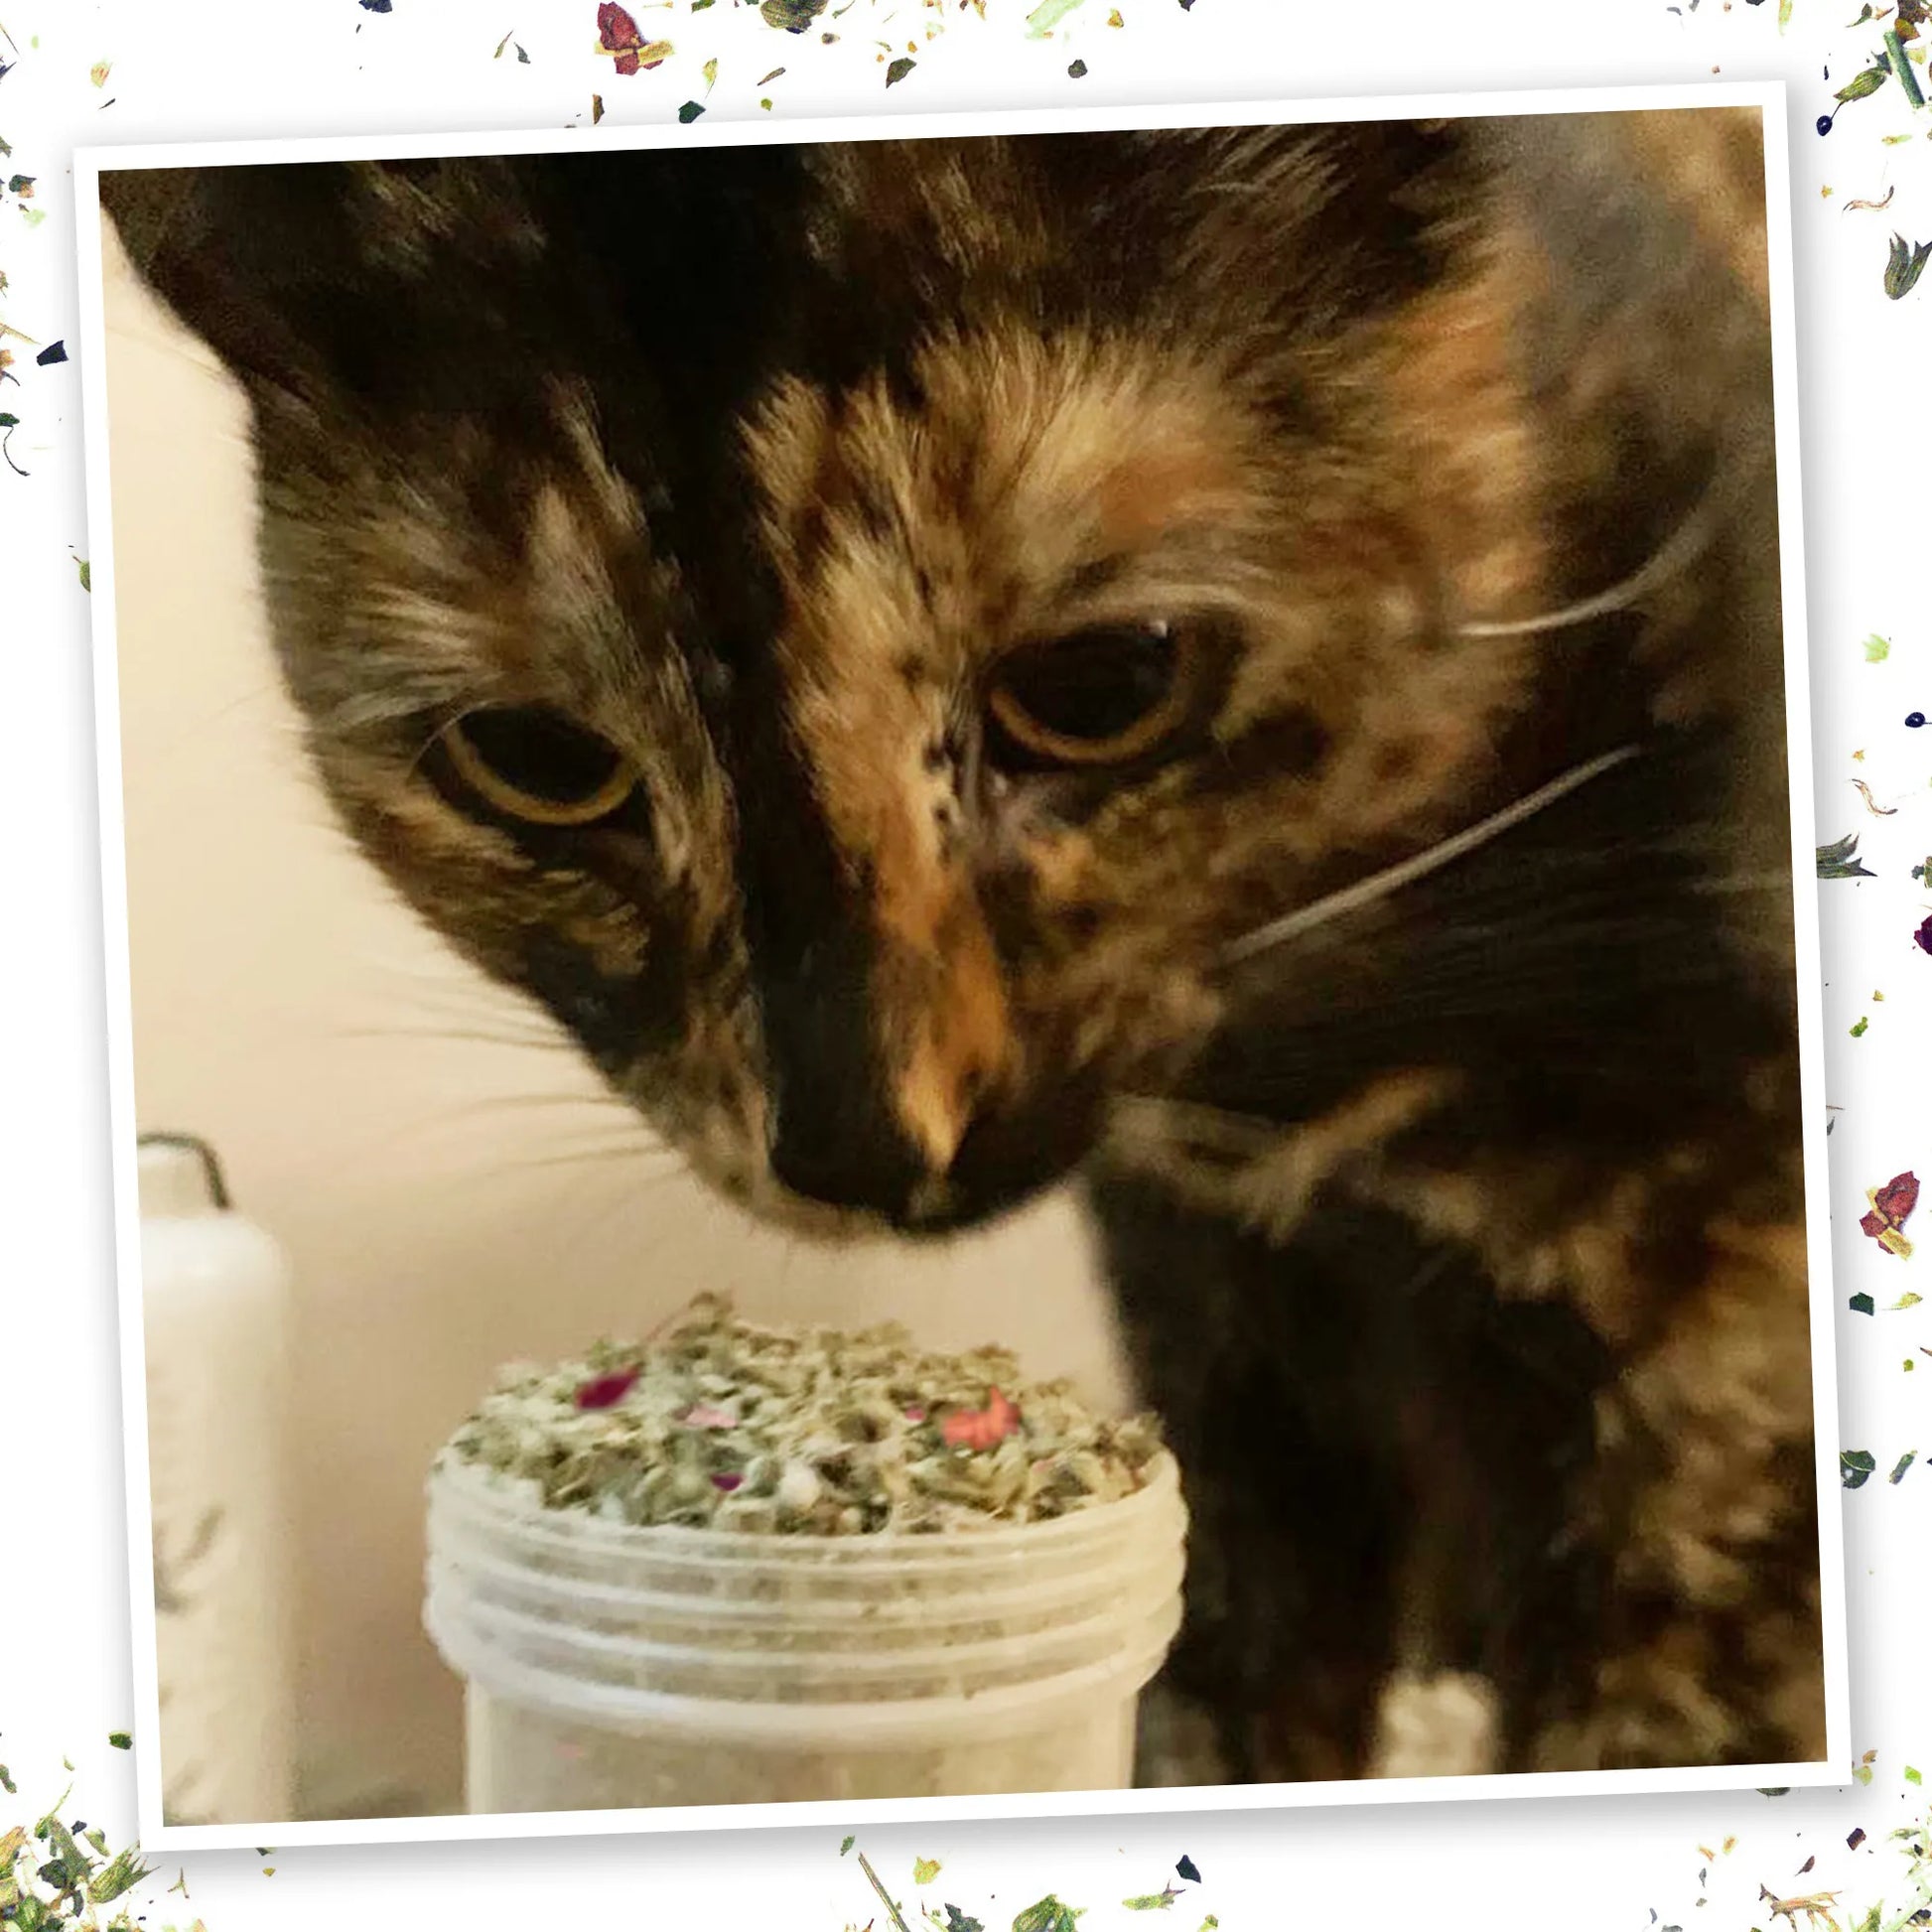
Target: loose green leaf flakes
(1905, 265)
(1840, 860)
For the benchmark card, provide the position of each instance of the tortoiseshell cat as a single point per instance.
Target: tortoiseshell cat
(1241, 667)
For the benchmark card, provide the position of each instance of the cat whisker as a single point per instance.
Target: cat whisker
(1391, 879)
(600, 1153)
(1683, 548)
(587, 1226)
(463, 1035)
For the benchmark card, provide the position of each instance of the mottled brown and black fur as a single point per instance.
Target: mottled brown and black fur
(1458, 1236)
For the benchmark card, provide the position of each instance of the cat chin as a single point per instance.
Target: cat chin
(942, 1215)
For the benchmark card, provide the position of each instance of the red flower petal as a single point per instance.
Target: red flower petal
(603, 1391)
(1897, 1197)
(981, 1429)
(616, 29)
(1890, 1206)
(1924, 935)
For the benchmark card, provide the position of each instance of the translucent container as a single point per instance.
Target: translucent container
(611, 1666)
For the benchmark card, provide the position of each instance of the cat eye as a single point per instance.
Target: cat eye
(1102, 696)
(532, 764)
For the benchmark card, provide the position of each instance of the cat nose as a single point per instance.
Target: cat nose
(847, 1158)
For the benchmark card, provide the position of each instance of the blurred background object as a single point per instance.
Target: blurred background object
(216, 1298)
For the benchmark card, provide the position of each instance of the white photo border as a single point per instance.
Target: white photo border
(91, 162)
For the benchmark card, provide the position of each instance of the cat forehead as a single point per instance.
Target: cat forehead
(1013, 473)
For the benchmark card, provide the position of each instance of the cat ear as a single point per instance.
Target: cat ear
(227, 250)
(297, 274)
(1335, 219)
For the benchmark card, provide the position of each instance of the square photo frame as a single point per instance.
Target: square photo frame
(772, 520)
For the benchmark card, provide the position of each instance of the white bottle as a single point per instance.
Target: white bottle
(216, 1310)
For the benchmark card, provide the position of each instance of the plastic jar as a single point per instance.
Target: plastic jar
(611, 1666)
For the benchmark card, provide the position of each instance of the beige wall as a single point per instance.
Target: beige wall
(451, 1188)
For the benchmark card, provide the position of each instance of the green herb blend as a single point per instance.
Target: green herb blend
(721, 1424)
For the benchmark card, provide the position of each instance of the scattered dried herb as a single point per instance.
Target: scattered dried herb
(1902, 67)
(1899, 1467)
(617, 33)
(1891, 1205)
(1864, 791)
(1814, 1906)
(885, 1897)
(1922, 937)
(1840, 860)
(1854, 1840)
(1855, 1467)
(1187, 1870)
(1153, 1902)
(690, 111)
(1904, 265)
(1867, 80)
(1049, 1915)
(1076, 70)
(724, 1424)
(1857, 1031)
(899, 71)
(57, 1876)
(845, 1844)
(1862, 1304)
(1885, 203)
(794, 16)
(957, 1921)
(924, 1870)
(1876, 649)
(1048, 15)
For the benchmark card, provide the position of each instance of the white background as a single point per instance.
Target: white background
(314, 67)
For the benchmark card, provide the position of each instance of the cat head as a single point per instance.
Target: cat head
(859, 632)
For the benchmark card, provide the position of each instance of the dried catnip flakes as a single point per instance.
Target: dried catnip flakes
(719, 1423)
